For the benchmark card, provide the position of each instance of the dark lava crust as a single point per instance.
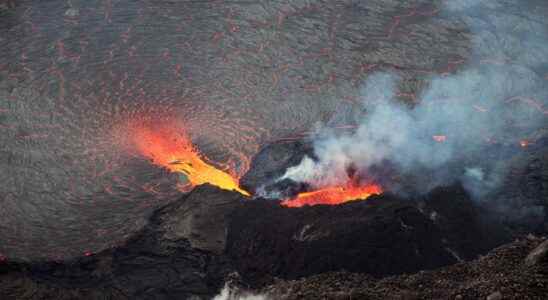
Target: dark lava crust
(381, 236)
(189, 247)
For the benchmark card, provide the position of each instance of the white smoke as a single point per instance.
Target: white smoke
(456, 119)
(228, 293)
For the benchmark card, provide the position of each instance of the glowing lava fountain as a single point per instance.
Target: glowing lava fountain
(172, 149)
(333, 195)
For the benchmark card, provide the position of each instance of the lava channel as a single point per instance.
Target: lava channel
(169, 148)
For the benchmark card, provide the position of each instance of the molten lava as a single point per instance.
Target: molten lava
(172, 149)
(333, 195)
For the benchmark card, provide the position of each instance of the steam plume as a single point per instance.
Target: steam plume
(234, 294)
(446, 136)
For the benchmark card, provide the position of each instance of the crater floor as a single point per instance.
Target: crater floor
(239, 74)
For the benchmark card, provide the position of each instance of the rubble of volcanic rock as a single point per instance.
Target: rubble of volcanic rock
(190, 246)
(505, 273)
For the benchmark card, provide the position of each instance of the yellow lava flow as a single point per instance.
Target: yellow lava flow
(174, 151)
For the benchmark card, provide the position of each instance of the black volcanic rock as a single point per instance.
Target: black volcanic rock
(283, 189)
(189, 247)
(201, 218)
(467, 228)
(502, 271)
(272, 162)
(524, 193)
(173, 257)
(381, 236)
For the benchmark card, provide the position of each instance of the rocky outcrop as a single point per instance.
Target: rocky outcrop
(201, 219)
(272, 162)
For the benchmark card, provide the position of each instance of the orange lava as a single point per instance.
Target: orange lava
(171, 148)
(333, 195)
